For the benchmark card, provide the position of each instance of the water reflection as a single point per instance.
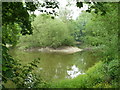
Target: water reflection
(74, 72)
(57, 66)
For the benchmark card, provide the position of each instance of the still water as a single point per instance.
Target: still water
(57, 66)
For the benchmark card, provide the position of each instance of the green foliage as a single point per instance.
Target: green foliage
(80, 24)
(25, 76)
(7, 65)
(93, 78)
(97, 7)
(52, 4)
(48, 32)
(79, 4)
(113, 69)
(15, 19)
(103, 27)
(11, 33)
(102, 31)
(14, 12)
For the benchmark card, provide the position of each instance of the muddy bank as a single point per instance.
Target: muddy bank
(66, 49)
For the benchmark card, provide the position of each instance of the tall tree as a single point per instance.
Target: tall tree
(102, 31)
(15, 20)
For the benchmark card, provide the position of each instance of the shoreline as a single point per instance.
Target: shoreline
(65, 49)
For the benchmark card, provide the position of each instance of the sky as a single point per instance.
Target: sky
(73, 8)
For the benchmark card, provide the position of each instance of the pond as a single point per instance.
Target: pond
(57, 66)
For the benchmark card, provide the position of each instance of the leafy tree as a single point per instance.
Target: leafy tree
(102, 31)
(14, 16)
(95, 7)
(12, 33)
(65, 14)
(80, 25)
(46, 5)
(15, 12)
(47, 32)
(15, 21)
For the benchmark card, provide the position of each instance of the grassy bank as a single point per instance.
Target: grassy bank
(95, 77)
